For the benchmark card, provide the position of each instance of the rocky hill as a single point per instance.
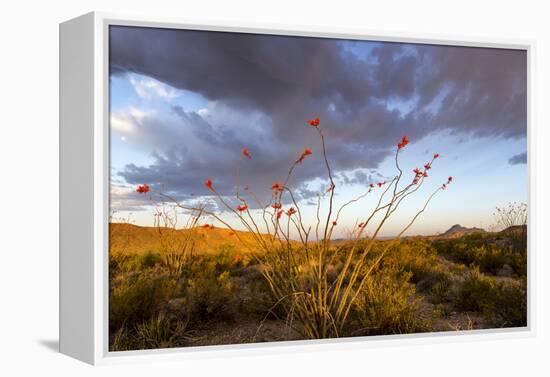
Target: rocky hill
(457, 231)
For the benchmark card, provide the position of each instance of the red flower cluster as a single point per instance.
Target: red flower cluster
(371, 185)
(246, 153)
(242, 207)
(279, 214)
(208, 184)
(422, 174)
(277, 187)
(330, 187)
(305, 153)
(403, 143)
(380, 184)
(314, 122)
(291, 211)
(361, 225)
(436, 155)
(143, 189)
(276, 205)
(334, 223)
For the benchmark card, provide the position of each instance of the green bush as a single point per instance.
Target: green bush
(441, 289)
(491, 252)
(504, 301)
(510, 304)
(209, 295)
(149, 260)
(388, 304)
(138, 298)
(476, 292)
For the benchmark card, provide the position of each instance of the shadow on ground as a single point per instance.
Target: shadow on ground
(52, 345)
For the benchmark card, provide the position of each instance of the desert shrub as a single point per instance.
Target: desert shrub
(149, 259)
(388, 304)
(476, 291)
(510, 304)
(518, 262)
(442, 311)
(414, 256)
(156, 332)
(159, 332)
(121, 340)
(138, 298)
(490, 258)
(456, 250)
(209, 294)
(420, 260)
(504, 301)
(488, 252)
(117, 262)
(513, 219)
(441, 289)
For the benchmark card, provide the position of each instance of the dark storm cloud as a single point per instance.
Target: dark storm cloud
(520, 158)
(485, 90)
(286, 80)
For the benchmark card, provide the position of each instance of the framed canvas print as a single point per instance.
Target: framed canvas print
(238, 189)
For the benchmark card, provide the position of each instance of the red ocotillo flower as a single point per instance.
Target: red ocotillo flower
(277, 187)
(427, 166)
(449, 180)
(334, 223)
(208, 184)
(417, 171)
(246, 153)
(291, 211)
(403, 143)
(279, 214)
(242, 207)
(142, 189)
(360, 225)
(276, 205)
(436, 155)
(380, 184)
(330, 187)
(305, 153)
(314, 122)
(371, 185)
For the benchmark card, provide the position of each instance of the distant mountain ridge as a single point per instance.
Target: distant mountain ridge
(457, 231)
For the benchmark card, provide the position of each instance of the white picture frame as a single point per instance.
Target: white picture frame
(84, 192)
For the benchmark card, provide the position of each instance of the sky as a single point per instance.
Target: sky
(183, 105)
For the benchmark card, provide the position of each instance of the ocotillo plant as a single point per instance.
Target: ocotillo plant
(316, 304)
